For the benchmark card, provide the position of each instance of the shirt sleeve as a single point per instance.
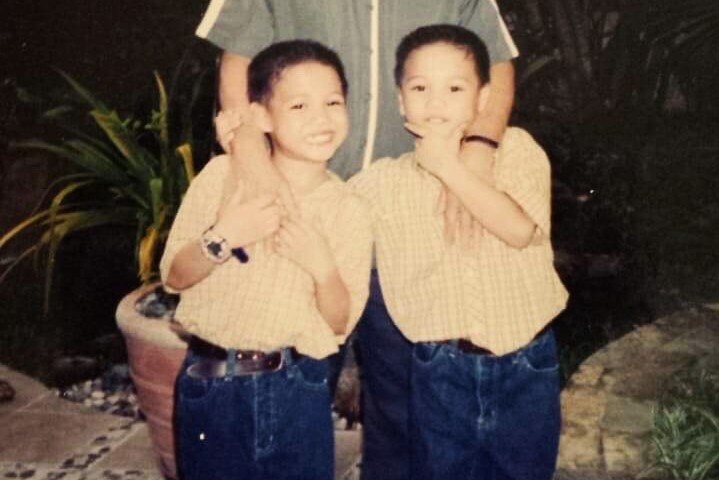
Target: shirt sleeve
(351, 244)
(243, 27)
(523, 173)
(483, 17)
(196, 214)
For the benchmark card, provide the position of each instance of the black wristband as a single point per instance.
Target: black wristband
(481, 139)
(240, 254)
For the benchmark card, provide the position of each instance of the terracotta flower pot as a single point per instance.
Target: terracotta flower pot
(155, 355)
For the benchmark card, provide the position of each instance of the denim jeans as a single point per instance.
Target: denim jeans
(485, 417)
(384, 356)
(270, 425)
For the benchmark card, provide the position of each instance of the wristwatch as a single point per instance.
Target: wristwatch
(214, 246)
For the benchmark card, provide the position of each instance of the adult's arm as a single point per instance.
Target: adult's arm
(251, 163)
(233, 81)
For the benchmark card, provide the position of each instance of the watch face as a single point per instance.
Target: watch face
(215, 248)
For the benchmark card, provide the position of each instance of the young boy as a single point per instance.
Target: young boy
(485, 392)
(253, 401)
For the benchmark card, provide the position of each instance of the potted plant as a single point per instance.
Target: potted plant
(127, 172)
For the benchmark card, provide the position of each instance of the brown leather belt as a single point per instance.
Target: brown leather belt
(216, 361)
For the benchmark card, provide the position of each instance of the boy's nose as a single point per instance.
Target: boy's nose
(321, 115)
(435, 101)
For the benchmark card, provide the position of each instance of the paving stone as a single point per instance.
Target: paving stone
(680, 322)
(651, 336)
(580, 440)
(347, 450)
(53, 404)
(124, 474)
(625, 453)
(587, 375)
(699, 341)
(48, 438)
(562, 474)
(579, 448)
(134, 452)
(647, 378)
(628, 416)
(26, 389)
(584, 406)
(37, 471)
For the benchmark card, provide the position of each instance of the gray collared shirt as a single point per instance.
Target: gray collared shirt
(247, 26)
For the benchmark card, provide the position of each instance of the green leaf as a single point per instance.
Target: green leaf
(138, 161)
(96, 161)
(57, 112)
(83, 92)
(156, 195)
(185, 152)
(163, 127)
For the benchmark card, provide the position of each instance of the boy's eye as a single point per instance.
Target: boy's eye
(418, 88)
(298, 106)
(455, 88)
(335, 103)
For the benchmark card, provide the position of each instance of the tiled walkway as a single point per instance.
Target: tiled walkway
(45, 437)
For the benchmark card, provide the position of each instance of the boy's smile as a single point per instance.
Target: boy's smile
(440, 87)
(306, 114)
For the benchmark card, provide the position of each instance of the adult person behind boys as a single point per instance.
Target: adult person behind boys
(253, 400)
(365, 33)
(485, 386)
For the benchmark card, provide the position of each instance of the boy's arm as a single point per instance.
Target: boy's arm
(251, 163)
(494, 209)
(333, 301)
(497, 211)
(491, 123)
(299, 241)
(239, 224)
(494, 116)
(233, 82)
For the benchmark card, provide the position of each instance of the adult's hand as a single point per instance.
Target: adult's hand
(252, 166)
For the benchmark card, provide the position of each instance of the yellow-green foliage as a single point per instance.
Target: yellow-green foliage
(120, 178)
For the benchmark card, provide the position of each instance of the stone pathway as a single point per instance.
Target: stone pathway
(607, 413)
(607, 406)
(45, 437)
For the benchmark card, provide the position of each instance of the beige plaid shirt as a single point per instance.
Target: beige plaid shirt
(496, 296)
(269, 302)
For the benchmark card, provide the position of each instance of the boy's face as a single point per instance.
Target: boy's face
(440, 87)
(306, 115)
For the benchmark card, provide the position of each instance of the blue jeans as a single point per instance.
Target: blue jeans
(270, 425)
(384, 356)
(485, 417)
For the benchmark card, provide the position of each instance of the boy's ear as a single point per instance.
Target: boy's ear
(261, 117)
(483, 97)
(401, 102)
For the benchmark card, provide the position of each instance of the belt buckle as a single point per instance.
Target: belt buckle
(206, 369)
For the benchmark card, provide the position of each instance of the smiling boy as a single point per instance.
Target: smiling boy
(484, 379)
(252, 396)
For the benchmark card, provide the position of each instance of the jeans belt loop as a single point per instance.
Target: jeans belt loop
(287, 356)
(231, 360)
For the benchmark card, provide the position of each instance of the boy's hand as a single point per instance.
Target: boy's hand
(243, 223)
(458, 222)
(435, 148)
(299, 241)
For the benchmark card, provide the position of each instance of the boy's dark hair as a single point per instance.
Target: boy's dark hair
(267, 66)
(454, 35)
